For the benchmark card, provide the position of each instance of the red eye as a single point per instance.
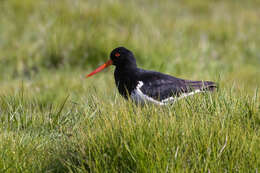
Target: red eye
(117, 54)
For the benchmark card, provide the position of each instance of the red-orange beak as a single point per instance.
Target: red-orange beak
(108, 63)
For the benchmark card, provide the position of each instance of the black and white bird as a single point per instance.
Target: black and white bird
(149, 86)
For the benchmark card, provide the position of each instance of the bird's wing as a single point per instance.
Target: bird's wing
(162, 87)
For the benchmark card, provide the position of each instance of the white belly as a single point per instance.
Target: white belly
(140, 98)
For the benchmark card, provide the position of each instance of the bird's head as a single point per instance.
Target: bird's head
(120, 57)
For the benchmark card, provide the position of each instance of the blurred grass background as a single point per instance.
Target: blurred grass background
(47, 47)
(211, 37)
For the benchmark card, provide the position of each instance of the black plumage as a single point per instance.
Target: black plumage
(156, 87)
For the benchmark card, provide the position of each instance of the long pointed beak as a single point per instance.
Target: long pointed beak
(108, 63)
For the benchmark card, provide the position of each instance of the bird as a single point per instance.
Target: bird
(145, 86)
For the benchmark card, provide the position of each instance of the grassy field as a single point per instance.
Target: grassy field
(52, 119)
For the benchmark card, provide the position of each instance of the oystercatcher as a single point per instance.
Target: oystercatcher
(149, 86)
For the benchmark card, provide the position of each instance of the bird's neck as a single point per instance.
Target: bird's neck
(126, 69)
(126, 79)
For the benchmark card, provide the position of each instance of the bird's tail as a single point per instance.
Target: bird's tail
(202, 85)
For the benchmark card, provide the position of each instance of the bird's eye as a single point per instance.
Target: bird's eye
(117, 54)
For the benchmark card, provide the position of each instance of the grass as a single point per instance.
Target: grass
(52, 119)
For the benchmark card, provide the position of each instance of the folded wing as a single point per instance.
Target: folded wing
(165, 88)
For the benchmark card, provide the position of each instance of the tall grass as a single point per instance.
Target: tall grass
(54, 120)
(218, 132)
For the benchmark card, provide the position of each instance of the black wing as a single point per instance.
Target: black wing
(161, 86)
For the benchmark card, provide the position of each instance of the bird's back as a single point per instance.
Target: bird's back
(158, 87)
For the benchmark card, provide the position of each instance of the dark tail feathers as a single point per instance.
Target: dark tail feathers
(202, 85)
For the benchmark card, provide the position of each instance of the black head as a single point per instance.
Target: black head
(122, 57)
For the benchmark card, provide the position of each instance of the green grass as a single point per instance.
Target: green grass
(52, 119)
